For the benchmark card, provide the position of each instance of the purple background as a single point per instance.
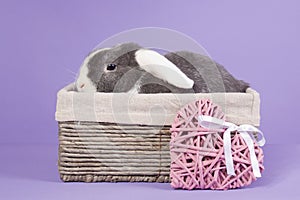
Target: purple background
(42, 41)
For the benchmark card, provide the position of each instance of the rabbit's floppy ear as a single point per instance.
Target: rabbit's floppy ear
(160, 67)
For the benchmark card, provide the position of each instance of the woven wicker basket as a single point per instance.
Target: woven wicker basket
(122, 137)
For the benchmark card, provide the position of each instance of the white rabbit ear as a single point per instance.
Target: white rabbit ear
(160, 67)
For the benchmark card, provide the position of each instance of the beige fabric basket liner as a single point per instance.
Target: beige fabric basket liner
(150, 109)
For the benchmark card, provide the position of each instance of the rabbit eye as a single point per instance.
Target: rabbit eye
(111, 67)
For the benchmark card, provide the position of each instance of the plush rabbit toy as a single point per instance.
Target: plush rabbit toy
(130, 68)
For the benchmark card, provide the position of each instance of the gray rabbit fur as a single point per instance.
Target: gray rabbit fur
(118, 69)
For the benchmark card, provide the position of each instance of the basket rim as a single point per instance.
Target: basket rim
(239, 108)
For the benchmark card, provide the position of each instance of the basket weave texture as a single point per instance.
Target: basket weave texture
(94, 151)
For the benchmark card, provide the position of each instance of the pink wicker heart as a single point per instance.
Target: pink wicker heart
(197, 157)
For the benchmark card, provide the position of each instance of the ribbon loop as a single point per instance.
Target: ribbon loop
(247, 133)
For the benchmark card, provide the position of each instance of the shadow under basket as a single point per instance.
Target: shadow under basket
(115, 137)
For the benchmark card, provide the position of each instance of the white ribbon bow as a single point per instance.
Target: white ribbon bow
(247, 133)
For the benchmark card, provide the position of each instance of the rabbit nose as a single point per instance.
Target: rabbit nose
(82, 85)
